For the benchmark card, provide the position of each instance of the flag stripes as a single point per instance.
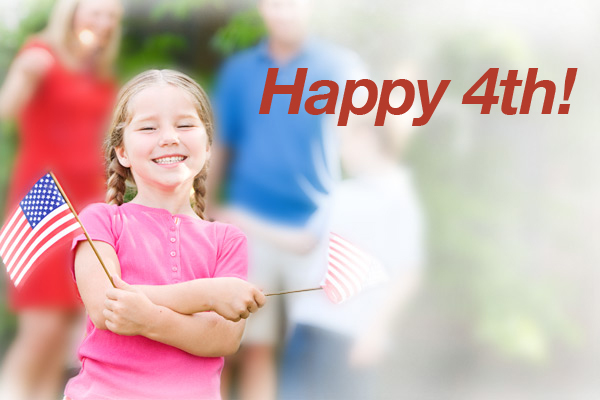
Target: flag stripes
(347, 270)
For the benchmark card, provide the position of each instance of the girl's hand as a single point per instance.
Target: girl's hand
(234, 298)
(127, 310)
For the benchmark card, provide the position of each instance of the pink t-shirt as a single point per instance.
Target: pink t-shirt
(156, 248)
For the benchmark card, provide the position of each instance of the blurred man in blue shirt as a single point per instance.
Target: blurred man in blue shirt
(276, 169)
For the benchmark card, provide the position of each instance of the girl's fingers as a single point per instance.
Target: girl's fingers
(109, 304)
(260, 298)
(108, 314)
(111, 326)
(113, 293)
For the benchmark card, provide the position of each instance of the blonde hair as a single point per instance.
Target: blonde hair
(118, 175)
(59, 34)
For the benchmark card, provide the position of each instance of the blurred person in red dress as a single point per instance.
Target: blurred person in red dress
(60, 89)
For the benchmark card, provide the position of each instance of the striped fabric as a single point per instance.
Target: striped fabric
(349, 269)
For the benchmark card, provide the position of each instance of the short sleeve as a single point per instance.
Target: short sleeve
(232, 258)
(98, 221)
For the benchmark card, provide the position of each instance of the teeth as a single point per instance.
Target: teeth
(169, 160)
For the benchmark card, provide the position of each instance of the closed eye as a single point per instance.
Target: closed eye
(147, 128)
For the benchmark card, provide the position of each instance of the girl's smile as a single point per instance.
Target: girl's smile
(169, 160)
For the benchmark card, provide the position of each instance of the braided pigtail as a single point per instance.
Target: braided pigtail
(115, 186)
(199, 196)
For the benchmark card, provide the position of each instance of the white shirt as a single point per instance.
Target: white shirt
(379, 214)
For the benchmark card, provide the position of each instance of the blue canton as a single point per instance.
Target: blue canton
(41, 200)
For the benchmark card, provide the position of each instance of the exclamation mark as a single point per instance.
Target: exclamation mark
(569, 81)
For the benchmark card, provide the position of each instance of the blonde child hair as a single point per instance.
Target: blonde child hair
(118, 175)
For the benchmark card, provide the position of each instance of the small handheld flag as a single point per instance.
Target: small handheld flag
(44, 218)
(349, 270)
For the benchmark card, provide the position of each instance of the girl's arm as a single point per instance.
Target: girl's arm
(22, 79)
(204, 334)
(128, 311)
(92, 282)
(232, 298)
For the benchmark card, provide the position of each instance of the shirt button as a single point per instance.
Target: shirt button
(174, 269)
(173, 254)
(173, 228)
(173, 240)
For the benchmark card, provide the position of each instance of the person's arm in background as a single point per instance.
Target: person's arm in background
(299, 240)
(23, 78)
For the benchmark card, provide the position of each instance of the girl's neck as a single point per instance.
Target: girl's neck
(176, 202)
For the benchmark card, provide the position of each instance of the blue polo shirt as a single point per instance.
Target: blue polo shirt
(282, 164)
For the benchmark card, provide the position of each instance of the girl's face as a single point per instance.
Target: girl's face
(165, 143)
(95, 21)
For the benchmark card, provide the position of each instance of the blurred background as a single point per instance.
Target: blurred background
(508, 306)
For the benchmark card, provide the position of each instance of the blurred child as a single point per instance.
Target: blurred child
(334, 349)
(150, 338)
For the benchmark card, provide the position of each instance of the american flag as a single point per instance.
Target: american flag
(42, 220)
(349, 270)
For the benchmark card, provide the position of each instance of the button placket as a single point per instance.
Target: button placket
(174, 250)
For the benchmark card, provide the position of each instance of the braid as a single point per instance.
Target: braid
(117, 175)
(199, 203)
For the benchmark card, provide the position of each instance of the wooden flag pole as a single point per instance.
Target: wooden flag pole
(294, 291)
(82, 227)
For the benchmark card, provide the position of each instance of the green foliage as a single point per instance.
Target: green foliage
(8, 327)
(8, 143)
(243, 30)
(180, 9)
(157, 51)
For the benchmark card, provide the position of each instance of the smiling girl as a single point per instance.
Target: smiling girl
(154, 337)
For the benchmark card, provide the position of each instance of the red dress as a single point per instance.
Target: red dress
(61, 129)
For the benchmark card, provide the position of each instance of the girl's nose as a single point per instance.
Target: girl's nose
(168, 136)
